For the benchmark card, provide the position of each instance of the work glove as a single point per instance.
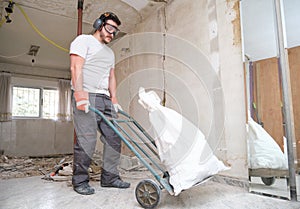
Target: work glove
(82, 100)
(117, 107)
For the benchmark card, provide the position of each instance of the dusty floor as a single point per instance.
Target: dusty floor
(20, 167)
(22, 186)
(36, 193)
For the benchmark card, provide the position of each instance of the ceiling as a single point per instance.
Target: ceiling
(52, 25)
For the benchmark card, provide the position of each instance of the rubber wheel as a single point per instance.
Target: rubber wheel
(147, 193)
(268, 180)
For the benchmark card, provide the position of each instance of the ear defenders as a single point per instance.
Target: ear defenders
(99, 22)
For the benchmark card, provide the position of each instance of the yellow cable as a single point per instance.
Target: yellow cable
(37, 30)
(2, 21)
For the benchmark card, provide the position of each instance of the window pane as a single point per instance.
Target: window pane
(50, 103)
(26, 102)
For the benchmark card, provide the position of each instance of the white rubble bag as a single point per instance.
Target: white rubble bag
(181, 146)
(264, 152)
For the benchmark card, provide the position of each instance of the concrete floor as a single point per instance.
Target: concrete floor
(36, 193)
(278, 188)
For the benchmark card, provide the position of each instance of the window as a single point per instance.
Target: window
(34, 102)
(26, 102)
(50, 103)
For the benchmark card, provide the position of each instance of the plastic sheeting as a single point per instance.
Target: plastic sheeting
(181, 145)
(264, 152)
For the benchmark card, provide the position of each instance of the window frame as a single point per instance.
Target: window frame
(41, 102)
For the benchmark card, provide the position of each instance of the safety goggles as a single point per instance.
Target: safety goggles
(111, 29)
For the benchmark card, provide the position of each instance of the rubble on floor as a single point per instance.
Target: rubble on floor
(19, 167)
(57, 168)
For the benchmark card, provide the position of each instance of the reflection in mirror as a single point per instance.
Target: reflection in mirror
(269, 170)
(268, 165)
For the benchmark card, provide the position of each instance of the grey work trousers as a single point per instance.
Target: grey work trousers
(86, 135)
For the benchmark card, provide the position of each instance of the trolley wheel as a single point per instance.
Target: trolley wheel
(268, 180)
(147, 193)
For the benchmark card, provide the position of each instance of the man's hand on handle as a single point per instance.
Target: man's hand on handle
(117, 107)
(82, 100)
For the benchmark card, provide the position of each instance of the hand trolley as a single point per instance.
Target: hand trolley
(147, 192)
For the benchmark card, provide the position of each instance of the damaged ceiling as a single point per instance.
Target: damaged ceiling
(50, 26)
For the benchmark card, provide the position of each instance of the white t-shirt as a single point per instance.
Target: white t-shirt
(99, 60)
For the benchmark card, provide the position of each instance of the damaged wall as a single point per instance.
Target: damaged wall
(190, 54)
(35, 137)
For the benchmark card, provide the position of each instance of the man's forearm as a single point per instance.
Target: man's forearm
(113, 87)
(76, 72)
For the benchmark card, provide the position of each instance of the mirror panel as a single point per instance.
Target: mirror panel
(267, 145)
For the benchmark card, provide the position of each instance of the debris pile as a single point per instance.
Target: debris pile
(57, 168)
(54, 168)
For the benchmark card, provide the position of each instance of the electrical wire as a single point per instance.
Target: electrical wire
(14, 56)
(35, 29)
(2, 21)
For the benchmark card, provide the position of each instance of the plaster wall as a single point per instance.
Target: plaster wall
(35, 137)
(193, 59)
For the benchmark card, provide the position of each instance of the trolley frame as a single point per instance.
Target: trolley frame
(114, 124)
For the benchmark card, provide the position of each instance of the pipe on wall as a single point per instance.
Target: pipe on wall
(287, 97)
(79, 8)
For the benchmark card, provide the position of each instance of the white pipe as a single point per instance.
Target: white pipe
(287, 99)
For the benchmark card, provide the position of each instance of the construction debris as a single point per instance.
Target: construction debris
(19, 167)
(53, 168)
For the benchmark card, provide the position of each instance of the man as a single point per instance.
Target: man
(94, 83)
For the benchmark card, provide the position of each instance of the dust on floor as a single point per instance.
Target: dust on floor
(48, 166)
